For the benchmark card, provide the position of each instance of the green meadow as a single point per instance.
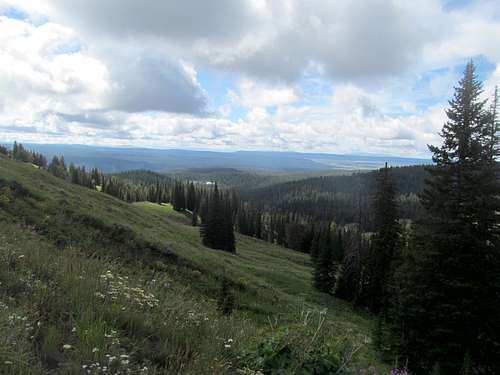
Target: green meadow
(91, 284)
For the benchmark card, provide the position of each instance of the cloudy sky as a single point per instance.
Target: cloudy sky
(340, 76)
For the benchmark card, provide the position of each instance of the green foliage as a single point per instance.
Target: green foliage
(302, 349)
(342, 199)
(178, 196)
(448, 307)
(385, 244)
(217, 229)
(325, 263)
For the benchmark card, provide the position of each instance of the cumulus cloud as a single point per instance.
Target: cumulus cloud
(141, 81)
(317, 75)
(272, 39)
(251, 93)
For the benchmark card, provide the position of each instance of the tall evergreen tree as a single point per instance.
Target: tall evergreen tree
(351, 275)
(191, 197)
(178, 196)
(451, 306)
(323, 276)
(385, 242)
(217, 229)
(327, 260)
(228, 239)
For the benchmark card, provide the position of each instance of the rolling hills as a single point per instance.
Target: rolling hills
(89, 281)
(116, 159)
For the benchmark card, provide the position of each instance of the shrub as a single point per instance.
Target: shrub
(226, 299)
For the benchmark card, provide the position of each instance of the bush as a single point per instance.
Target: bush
(302, 348)
(226, 299)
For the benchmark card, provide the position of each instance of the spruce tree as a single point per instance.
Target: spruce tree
(324, 271)
(191, 197)
(228, 239)
(450, 313)
(178, 197)
(217, 229)
(385, 242)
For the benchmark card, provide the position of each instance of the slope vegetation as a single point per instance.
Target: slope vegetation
(91, 284)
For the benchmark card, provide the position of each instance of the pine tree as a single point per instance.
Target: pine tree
(217, 230)
(4, 150)
(228, 239)
(324, 272)
(191, 197)
(452, 306)
(315, 243)
(178, 197)
(385, 242)
(351, 275)
(15, 151)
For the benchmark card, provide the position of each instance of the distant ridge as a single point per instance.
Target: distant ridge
(117, 159)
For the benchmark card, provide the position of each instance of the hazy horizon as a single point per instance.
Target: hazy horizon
(215, 150)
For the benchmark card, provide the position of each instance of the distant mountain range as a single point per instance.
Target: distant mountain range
(116, 159)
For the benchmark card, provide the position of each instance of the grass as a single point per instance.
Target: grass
(158, 307)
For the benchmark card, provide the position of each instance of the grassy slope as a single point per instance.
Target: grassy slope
(272, 282)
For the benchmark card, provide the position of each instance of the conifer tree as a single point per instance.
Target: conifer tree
(178, 197)
(228, 239)
(385, 242)
(324, 267)
(191, 197)
(451, 308)
(217, 229)
(351, 274)
(4, 150)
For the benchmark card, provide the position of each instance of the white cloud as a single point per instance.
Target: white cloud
(125, 72)
(258, 94)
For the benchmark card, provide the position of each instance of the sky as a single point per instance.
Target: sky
(336, 76)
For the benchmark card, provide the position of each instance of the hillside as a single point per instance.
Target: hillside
(342, 199)
(87, 277)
